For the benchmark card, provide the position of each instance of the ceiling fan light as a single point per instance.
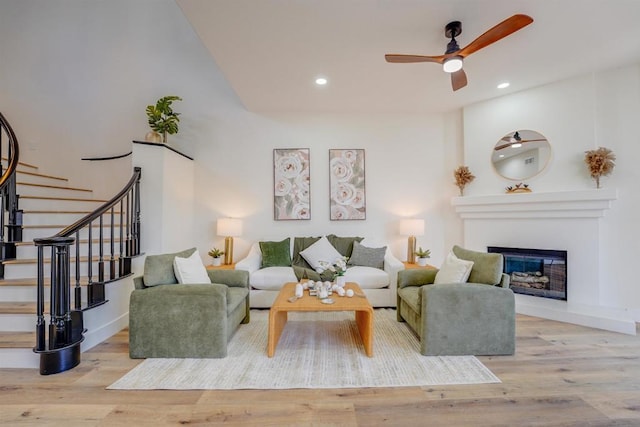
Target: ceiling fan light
(453, 64)
(516, 145)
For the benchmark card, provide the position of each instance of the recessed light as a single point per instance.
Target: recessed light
(321, 81)
(501, 155)
(503, 85)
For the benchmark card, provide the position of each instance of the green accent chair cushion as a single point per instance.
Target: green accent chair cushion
(276, 254)
(487, 268)
(158, 269)
(459, 318)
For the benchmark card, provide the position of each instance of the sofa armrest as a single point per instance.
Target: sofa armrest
(138, 283)
(392, 266)
(232, 278)
(416, 277)
(504, 281)
(252, 261)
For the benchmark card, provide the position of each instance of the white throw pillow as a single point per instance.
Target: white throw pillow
(453, 270)
(190, 270)
(322, 250)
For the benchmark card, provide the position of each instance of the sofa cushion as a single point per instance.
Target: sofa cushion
(321, 250)
(299, 245)
(235, 296)
(367, 257)
(487, 267)
(158, 269)
(190, 270)
(272, 278)
(453, 270)
(367, 277)
(344, 245)
(412, 295)
(276, 254)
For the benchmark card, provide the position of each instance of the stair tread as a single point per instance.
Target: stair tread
(28, 165)
(61, 226)
(17, 339)
(40, 175)
(82, 241)
(57, 187)
(33, 281)
(21, 261)
(19, 307)
(73, 199)
(60, 212)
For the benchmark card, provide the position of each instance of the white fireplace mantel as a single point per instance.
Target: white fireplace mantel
(561, 204)
(563, 220)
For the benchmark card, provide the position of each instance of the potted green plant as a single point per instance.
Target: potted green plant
(216, 256)
(422, 256)
(162, 119)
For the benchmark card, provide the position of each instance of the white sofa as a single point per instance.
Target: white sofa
(378, 284)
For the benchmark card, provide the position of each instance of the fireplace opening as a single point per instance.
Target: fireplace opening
(537, 272)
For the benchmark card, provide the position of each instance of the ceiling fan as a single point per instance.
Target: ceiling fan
(515, 141)
(452, 59)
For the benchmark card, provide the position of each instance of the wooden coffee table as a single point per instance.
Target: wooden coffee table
(281, 306)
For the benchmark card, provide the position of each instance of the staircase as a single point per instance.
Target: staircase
(51, 272)
(49, 204)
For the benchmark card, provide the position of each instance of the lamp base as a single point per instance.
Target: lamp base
(228, 250)
(411, 249)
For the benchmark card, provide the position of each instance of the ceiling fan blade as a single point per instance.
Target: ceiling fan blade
(458, 79)
(399, 58)
(500, 31)
(500, 147)
(524, 141)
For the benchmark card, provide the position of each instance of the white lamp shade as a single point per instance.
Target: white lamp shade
(229, 227)
(412, 227)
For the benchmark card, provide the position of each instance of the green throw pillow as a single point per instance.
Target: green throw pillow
(487, 267)
(344, 245)
(299, 245)
(158, 269)
(367, 257)
(276, 254)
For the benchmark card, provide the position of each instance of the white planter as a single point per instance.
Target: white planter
(422, 261)
(216, 262)
(341, 281)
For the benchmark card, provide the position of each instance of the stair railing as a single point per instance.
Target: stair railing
(59, 344)
(11, 215)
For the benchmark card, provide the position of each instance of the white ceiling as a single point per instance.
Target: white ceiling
(271, 50)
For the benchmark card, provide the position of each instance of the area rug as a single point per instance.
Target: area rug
(316, 350)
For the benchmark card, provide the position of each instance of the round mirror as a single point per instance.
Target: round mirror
(521, 154)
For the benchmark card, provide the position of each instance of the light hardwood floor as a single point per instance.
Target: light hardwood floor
(561, 375)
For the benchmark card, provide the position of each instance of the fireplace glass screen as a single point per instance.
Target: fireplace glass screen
(537, 272)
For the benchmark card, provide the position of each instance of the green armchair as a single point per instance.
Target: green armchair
(169, 320)
(472, 318)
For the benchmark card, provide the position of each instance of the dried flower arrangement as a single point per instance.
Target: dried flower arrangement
(463, 177)
(600, 163)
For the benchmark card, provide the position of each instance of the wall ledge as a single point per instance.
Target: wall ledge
(562, 204)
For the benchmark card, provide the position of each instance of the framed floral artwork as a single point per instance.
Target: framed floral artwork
(291, 184)
(346, 183)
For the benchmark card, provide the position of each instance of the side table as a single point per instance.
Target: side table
(222, 267)
(410, 265)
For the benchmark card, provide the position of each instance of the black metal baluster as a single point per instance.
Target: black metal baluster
(112, 260)
(78, 290)
(100, 251)
(41, 322)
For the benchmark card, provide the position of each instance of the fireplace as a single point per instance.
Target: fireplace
(537, 272)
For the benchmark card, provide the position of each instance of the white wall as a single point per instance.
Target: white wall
(575, 115)
(77, 75)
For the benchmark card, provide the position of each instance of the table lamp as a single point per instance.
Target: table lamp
(411, 228)
(229, 228)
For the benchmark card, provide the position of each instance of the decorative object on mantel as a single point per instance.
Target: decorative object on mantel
(463, 177)
(216, 255)
(162, 119)
(600, 163)
(518, 188)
